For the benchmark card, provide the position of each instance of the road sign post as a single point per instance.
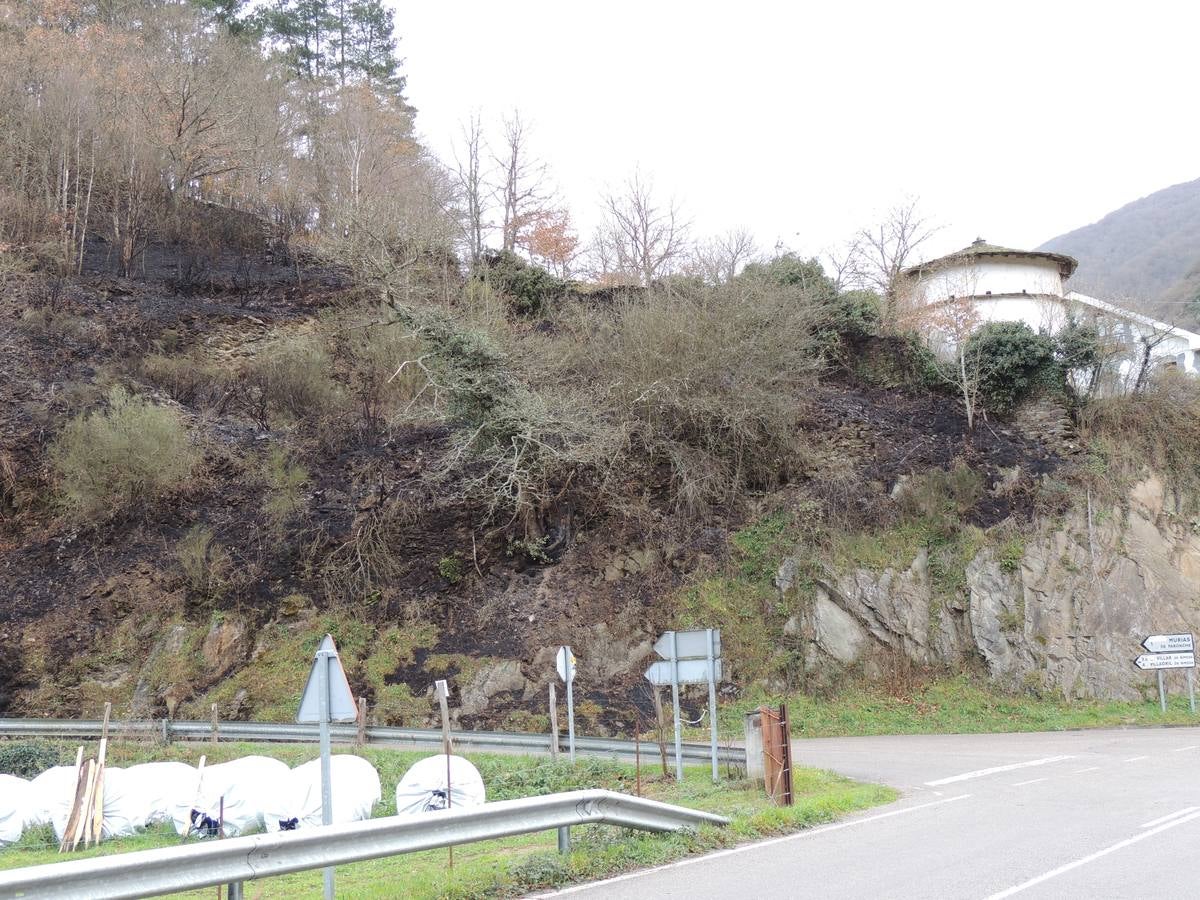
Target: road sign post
(1170, 651)
(566, 671)
(675, 704)
(689, 657)
(712, 701)
(326, 699)
(565, 663)
(323, 658)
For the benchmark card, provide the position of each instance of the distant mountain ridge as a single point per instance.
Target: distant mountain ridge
(1147, 253)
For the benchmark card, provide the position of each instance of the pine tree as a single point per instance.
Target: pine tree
(337, 41)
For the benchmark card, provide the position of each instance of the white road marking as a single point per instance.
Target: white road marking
(1120, 845)
(1181, 749)
(1031, 781)
(742, 849)
(1088, 769)
(979, 773)
(1136, 758)
(1174, 815)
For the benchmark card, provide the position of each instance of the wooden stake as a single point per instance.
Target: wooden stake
(101, 757)
(83, 772)
(361, 737)
(661, 727)
(215, 726)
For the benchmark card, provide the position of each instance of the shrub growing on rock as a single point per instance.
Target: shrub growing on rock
(111, 459)
(1013, 363)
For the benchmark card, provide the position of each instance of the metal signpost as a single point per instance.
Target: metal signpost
(565, 663)
(566, 671)
(326, 699)
(689, 657)
(1170, 651)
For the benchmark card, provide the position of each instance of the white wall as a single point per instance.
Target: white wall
(982, 276)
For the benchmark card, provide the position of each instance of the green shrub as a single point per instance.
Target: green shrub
(450, 568)
(285, 487)
(530, 289)
(112, 459)
(27, 759)
(1013, 363)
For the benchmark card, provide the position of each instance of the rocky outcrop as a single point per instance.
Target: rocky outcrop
(1064, 612)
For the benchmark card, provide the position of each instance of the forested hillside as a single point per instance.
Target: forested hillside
(274, 370)
(1146, 253)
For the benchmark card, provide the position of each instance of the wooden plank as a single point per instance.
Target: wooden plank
(84, 823)
(72, 826)
(62, 845)
(97, 820)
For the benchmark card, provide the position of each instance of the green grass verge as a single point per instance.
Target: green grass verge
(515, 865)
(958, 705)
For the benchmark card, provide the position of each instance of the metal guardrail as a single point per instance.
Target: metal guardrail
(417, 738)
(147, 873)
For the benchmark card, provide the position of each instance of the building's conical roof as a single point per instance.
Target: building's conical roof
(981, 248)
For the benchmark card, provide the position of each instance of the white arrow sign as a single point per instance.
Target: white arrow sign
(1166, 661)
(341, 701)
(565, 656)
(691, 671)
(690, 644)
(1169, 643)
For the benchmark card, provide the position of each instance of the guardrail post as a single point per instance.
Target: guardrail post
(166, 732)
(234, 890)
(564, 839)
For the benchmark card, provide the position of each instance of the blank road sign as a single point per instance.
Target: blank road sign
(341, 702)
(691, 671)
(690, 644)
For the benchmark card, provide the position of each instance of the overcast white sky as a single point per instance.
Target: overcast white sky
(1015, 121)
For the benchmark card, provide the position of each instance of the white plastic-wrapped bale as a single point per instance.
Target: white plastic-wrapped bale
(53, 795)
(354, 787)
(16, 798)
(424, 787)
(245, 784)
(158, 784)
(122, 805)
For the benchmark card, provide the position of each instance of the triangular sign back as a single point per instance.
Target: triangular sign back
(341, 702)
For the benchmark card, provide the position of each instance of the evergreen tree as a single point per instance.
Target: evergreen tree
(336, 41)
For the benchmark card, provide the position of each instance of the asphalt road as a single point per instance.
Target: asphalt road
(1083, 814)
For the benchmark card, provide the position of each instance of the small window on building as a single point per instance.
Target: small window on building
(989, 293)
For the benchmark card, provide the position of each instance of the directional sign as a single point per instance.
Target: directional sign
(341, 702)
(1166, 661)
(564, 672)
(690, 644)
(1169, 643)
(691, 671)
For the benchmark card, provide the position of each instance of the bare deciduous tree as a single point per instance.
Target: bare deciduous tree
(876, 256)
(720, 258)
(641, 238)
(521, 191)
(471, 187)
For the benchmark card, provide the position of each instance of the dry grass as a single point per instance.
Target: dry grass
(1157, 429)
(112, 459)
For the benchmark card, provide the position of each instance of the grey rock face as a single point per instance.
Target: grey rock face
(1067, 616)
